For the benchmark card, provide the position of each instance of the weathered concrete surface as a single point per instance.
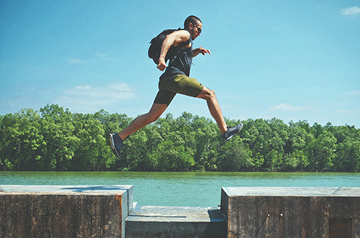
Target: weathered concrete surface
(64, 211)
(288, 212)
(175, 222)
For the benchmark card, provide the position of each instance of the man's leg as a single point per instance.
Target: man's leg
(191, 87)
(214, 108)
(155, 112)
(116, 139)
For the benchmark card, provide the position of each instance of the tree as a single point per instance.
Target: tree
(297, 148)
(92, 152)
(206, 143)
(58, 132)
(233, 156)
(55, 139)
(323, 152)
(348, 156)
(171, 157)
(22, 140)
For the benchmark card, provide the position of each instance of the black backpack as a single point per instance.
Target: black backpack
(156, 44)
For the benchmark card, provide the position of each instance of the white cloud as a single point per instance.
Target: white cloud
(344, 111)
(288, 108)
(349, 112)
(350, 11)
(87, 98)
(76, 61)
(103, 56)
(353, 93)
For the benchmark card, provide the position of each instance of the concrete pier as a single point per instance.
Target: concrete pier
(64, 211)
(108, 211)
(291, 212)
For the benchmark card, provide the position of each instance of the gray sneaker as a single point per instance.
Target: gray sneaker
(116, 142)
(231, 131)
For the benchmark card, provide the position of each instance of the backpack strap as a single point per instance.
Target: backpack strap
(182, 44)
(179, 47)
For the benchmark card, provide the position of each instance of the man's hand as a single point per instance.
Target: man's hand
(162, 64)
(201, 50)
(204, 51)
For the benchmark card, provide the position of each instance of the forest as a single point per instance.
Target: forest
(54, 139)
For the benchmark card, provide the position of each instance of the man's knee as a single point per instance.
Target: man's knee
(156, 111)
(212, 93)
(207, 93)
(154, 118)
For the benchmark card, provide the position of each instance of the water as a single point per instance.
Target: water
(192, 189)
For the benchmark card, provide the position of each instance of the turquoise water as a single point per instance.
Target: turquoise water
(181, 188)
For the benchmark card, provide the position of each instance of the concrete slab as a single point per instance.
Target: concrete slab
(176, 214)
(72, 190)
(175, 222)
(293, 191)
(61, 189)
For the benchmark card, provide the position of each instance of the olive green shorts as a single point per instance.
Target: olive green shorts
(170, 86)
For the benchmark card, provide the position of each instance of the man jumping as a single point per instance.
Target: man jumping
(175, 80)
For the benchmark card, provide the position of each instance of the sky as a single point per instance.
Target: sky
(292, 60)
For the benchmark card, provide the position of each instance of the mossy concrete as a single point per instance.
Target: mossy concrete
(288, 211)
(107, 211)
(64, 211)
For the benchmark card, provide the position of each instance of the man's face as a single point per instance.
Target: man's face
(196, 30)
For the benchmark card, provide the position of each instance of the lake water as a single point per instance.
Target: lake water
(191, 189)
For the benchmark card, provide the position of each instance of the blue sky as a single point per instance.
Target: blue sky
(293, 60)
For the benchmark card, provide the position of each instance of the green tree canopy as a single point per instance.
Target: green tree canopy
(55, 139)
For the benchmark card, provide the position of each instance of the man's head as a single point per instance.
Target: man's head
(194, 25)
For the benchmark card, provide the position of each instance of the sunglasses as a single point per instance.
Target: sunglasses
(198, 28)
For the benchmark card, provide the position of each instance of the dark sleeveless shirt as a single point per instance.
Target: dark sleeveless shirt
(180, 63)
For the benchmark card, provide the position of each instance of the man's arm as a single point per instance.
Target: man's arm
(174, 39)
